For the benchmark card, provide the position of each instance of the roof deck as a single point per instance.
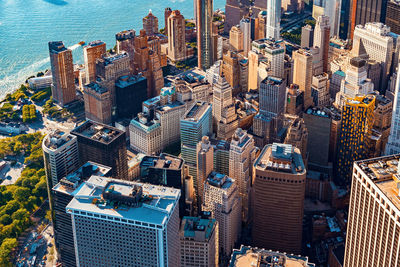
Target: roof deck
(164, 161)
(97, 131)
(196, 111)
(219, 180)
(197, 228)
(57, 139)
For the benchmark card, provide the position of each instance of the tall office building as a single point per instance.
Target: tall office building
(97, 103)
(236, 38)
(279, 182)
(199, 242)
(234, 12)
(205, 165)
(221, 198)
(330, 9)
(61, 157)
(91, 52)
(241, 155)
(204, 33)
(374, 41)
(102, 144)
(245, 27)
(62, 69)
(320, 89)
(167, 13)
(176, 36)
(321, 39)
(393, 145)
(297, 135)
(307, 36)
(126, 42)
(273, 19)
(139, 223)
(145, 133)
(150, 24)
(356, 128)
(364, 11)
(195, 123)
(392, 16)
(260, 25)
(231, 70)
(63, 192)
(373, 230)
(302, 74)
(272, 97)
(274, 53)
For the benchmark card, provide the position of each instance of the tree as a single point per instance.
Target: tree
(5, 219)
(40, 189)
(20, 215)
(11, 207)
(5, 249)
(21, 194)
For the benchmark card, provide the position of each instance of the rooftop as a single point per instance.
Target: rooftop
(197, 228)
(110, 58)
(94, 43)
(318, 111)
(94, 86)
(164, 161)
(385, 173)
(256, 257)
(70, 184)
(196, 111)
(123, 201)
(219, 180)
(57, 47)
(125, 35)
(280, 158)
(97, 131)
(57, 139)
(125, 81)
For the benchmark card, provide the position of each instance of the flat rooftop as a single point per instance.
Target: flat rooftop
(94, 86)
(57, 47)
(203, 227)
(280, 158)
(125, 201)
(164, 161)
(196, 111)
(385, 173)
(70, 184)
(255, 257)
(219, 180)
(127, 80)
(57, 139)
(94, 43)
(97, 131)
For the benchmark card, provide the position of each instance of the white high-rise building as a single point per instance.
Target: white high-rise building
(273, 26)
(221, 198)
(245, 27)
(120, 223)
(393, 145)
(205, 164)
(241, 155)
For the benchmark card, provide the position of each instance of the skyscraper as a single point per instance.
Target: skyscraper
(221, 198)
(205, 165)
(62, 69)
(373, 230)
(204, 33)
(297, 135)
(60, 153)
(392, 16)
(273, 19)
(199, 242)
(91, 52)
(176, 36)
(97, 103)
(126, 42)
(167, 13)
(245, 27)
(103, 144)
(302, 74)
(139, 223)
(356, 127)
(307, 36)
(150, 24)
(393, 145)
(321, 39)
(279, 182)
(241, 155)
(272, 96)
(236, 38)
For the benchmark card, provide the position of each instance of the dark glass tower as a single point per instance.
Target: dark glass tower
(204, 33)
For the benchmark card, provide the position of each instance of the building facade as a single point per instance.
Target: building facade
(91, 52)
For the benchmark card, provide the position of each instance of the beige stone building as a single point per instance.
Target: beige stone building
(97, 103)
(93, 51)
(302, 74)
(176, 36)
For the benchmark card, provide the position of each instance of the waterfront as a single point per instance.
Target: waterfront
(26, 26)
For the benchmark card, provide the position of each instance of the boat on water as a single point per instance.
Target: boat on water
(82, 43)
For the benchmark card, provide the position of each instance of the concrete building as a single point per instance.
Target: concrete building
(242, 153)
(205, 165)
(302, 74)
(307, 36)
(63, 192)
(245, 27)
(167, 13)
(274, 53)
(199, 242)
(373, 41)
(150, 24)
(221, 155)
(382, 121)
(373, 229)
(335, 83)
(145, 134)
(260, 25)
(138, 221)
(297, 135)
(234, 12)
(279, 180)
(62, 69)
(393, 145)
(102, 144)
(126, 42)
(92, 52)
(273, 19)
(392, 16)
(236, 38)
(250, 256)
(61, 157)
(272, 97)
(320, 89)
(204, 21)
(97, 103)
(176, 36)
(321, 39)
(221, 198)
(356, 127)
